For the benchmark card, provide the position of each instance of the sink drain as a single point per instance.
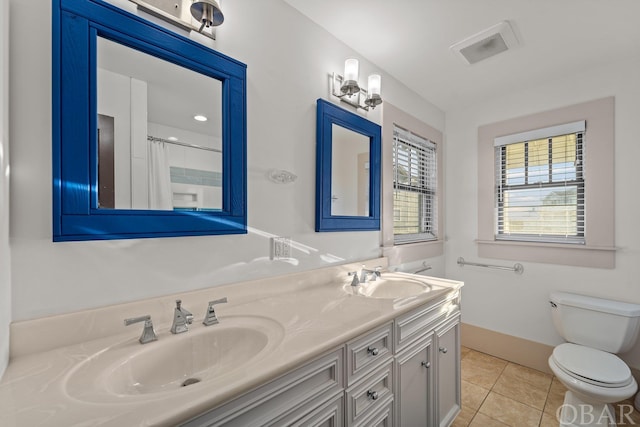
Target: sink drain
(190, 381)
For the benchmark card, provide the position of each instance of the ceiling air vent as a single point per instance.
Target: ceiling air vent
(487, 43)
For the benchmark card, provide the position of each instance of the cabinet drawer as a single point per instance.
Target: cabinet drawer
(415, 324)
(383, 417)
(370, 394)
(368, 352)
(331, 414)
(280, 399)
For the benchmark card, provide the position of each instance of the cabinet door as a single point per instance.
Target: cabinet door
(448, 364)
(414, 385)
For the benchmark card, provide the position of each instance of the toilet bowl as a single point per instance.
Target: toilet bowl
(594, 376)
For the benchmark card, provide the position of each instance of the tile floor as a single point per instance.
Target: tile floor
(498, 393)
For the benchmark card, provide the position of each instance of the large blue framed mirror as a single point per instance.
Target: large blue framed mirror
(149, 129)
(348, 169)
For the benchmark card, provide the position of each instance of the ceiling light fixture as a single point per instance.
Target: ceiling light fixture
(200, 118)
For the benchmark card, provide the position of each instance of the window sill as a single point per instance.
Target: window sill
(408, 252)
(549, 253)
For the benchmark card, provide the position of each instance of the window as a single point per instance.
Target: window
(409, 247)
(547, 195)
(414, 188)
(540, 188)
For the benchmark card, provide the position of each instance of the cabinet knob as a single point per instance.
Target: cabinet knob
(372, 351)
(373, 395)
(443, 349)
(426, 364)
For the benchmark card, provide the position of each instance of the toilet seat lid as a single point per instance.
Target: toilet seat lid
(593, 366)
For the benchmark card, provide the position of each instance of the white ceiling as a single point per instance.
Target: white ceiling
(410, 39)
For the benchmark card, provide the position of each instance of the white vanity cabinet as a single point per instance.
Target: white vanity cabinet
(405, 372)
(427, 364)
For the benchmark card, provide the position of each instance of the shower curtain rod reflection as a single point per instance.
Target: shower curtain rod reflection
(184, 144)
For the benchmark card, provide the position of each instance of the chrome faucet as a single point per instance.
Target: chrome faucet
(181, 318)
(148, 333)
(375, 273)
(210, 317)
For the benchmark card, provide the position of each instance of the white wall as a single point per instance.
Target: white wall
(518, 305)
(5, 263)
(289, 59)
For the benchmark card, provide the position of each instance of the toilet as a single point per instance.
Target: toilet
(595, 377)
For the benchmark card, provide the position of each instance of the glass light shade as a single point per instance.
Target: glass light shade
(374, 83)
(207, 12)
(373, 91)
(351, 69)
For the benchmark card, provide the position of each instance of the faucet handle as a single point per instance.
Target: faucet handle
(210, 317)
(148, 333)
(188, 317)
(355, 281)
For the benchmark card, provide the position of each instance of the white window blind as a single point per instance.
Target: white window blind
(540, 185)
(414, 188)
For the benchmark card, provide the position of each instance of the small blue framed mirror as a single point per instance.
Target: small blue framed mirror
(348, 169)
(149, 129)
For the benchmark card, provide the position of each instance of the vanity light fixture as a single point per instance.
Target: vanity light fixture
(189, 15)
(200, 118)
(207, 12)
(348, 90)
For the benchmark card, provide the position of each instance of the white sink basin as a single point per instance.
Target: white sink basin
(391, 286)
(175, 361)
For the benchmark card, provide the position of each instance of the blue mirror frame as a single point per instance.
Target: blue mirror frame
(76, 26)
(329, 114)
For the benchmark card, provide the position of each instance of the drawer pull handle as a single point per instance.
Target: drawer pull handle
(372, 351)
(443, 350)
(426, 364)
(373, 395)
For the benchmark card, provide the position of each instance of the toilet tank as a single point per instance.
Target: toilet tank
(607, 325)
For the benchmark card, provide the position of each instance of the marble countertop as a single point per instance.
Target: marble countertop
(313, 309)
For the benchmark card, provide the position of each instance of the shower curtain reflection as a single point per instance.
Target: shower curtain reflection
(160, 194)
